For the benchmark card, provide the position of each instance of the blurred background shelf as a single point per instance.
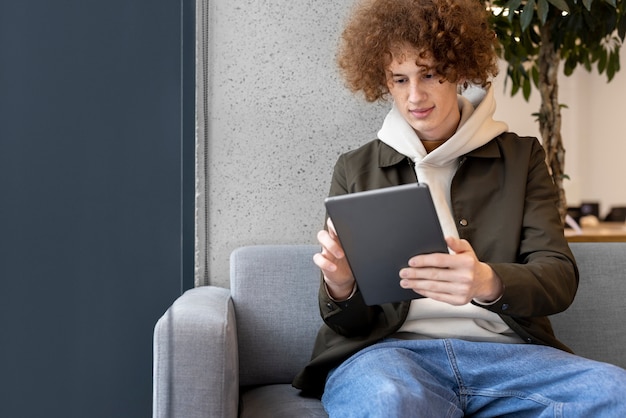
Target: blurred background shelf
(603, 232)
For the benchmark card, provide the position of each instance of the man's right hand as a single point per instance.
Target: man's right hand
(334, 265)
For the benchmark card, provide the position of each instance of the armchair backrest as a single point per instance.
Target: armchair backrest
(274, 292)
(593, 326)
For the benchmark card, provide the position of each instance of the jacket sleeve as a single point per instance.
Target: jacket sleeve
(352, 317)
(544, 279)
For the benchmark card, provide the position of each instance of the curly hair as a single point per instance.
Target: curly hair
(456, 34)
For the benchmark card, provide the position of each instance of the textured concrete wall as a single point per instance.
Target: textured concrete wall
(279, 116)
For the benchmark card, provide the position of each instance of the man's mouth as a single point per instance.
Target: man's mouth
(422, 112)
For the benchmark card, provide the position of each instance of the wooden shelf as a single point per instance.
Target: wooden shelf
(603, 232)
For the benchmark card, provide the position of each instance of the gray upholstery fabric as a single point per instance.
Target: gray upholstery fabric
(274, 298)
(595, 325)
(279, 401)
(195, 357)
(274, 291)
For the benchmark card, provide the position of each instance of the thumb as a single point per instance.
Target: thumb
(458, 245)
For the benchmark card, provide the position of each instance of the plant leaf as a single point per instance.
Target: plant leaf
(542, 10)
(514, 89)
(512, 5)
(568, 66)
(527, 15)
(621, 27)
(535, 75)
(560, 4)
(602, 62)
(587, 4)
(586, 62)
(613, 66)
(526, 88)
(536, 115)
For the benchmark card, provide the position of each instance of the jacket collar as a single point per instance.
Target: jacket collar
(489, 150)
(388, 156)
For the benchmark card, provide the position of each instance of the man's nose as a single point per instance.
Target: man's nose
(416, 92)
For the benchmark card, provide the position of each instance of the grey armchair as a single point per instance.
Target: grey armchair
(229, 353)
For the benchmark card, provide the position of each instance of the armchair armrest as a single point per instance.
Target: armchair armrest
(196, 364)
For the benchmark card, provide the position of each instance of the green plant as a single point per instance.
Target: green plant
(536, 36)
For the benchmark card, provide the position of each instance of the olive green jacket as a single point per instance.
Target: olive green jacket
(504, 204)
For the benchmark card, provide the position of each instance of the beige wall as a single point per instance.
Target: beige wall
(279, 117)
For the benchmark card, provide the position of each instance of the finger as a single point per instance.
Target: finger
(438, 289)
(331, 227)
(458, 245)
(324, 263)
(427, 274)
(451, 299)
(438, 260)
(330, 244)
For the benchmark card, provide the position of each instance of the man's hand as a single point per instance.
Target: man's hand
(332, 261)
(452, 278)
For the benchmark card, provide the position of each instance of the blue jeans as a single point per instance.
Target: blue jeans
(454, 378)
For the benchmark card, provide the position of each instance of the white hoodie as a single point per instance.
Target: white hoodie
(429, 318)
(437, 168)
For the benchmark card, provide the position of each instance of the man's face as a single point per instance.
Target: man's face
(429, 105)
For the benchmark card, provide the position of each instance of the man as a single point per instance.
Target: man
(479, 343)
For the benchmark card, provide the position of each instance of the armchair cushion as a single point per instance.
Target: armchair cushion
(279, 401)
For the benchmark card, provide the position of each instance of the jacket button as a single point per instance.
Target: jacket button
(463, 222)
(505, 306)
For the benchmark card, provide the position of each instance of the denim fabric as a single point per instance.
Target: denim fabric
(454, 378)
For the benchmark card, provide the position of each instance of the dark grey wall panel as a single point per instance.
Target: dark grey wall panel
(96, 157)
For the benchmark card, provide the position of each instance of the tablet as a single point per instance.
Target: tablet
(380, 230)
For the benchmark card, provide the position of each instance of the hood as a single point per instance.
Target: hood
(437, 168)
(476, 128)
